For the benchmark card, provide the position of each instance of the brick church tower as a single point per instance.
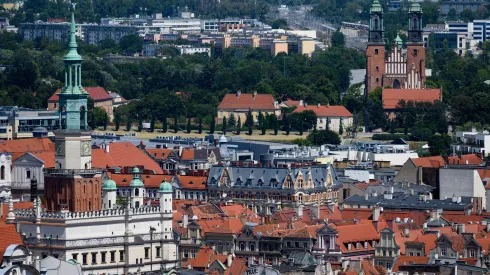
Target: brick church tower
(375, 51)
(415, 49)
(73, 185)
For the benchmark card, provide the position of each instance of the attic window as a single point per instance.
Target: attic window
(124, 180)
(358, 245)
(349, 246)
(365, 245)
(191, 182)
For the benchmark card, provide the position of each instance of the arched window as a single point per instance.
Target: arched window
(2, 172)
(396, 84)
(89, 205)
(137, 192)
(252, 247)
(242, 246)
(84, 188)
(300, 197)
(137, 204)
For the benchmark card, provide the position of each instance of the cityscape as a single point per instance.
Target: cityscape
(240, 137)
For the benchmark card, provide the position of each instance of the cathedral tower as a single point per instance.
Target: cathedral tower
(375, 51)
(415, 49)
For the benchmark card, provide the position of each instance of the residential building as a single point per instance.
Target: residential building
(268, 189)
(465, 182)
(94, 34)
(190, 188)
(49, 31)
(468, 142)
(329, 117)
(387, 249)
(117, 100)
(99, 95)
(188, 49)
(459, 6)
(175, 25)
(193, 161)
(18, 122)
(240, 104)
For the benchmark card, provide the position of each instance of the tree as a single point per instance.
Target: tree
(439, 145)
(262, 129)
(93, 121)
(140, 123)
(232, 121)
(117, 120)
(223, 126)
(338, 39)
(452, 15)
(341, 127)
(260, 118)
(106, 119)
(286, 123)
(152, 124)
(176, 124)
(276, 125)
(128, 125)
(131, 44)
(249, 122)
(239, 126)
(164, 123)
(199, 128)
(189, 125)
(303, 121)
(213, 125)
(324, 137)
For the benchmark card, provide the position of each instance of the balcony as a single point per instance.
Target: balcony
(191, 241)
(68, 172)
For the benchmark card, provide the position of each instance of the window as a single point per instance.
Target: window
(84, 258)
(74, 256)
(102, 257)
(305, 245)
(2, 172)
(472, 253)
(157, 251)
(377, 79)
(388, 265)
(296, 244)
(28, 173)
(365, 245)
(411, 253)
(358, 245)
(113, 256)
(147, 252)
(443, 251)
(193, 253)
(186, 253)
(376, 51)
(121, 255)
(288, 244)
(94, 257)
(377, 68)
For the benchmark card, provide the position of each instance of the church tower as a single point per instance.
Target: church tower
(415, 49)
(375, 51)
(73, 185)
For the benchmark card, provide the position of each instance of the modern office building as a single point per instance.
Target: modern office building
(17, 122)
(456, 41)
(94, 34)
(460, 5)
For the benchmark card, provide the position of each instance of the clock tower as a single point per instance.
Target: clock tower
(73, 140)
(73, 185)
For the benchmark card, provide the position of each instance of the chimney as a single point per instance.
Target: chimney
(229, 260)
(180, 151)
(366, 196)
(406, 232)
(255, 94)
(419, 175)
(301, 102)
(238, 93)
(376, 213)
(461, 228)
(106, 147)
(185, 220)
(318, 105)
(300, 211)
(488, 227)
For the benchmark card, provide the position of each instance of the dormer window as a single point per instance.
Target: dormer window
(365, 245)
(358, 245)
(349, 246)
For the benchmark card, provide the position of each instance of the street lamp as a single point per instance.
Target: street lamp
(152, 229)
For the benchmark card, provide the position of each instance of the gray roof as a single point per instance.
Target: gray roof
(266, 177)
(358, 76)
(407, 201)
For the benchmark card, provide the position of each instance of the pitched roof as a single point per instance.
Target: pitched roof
(368, 268)
(123, 154)
(149, 180)
(96, 93)
(202, 258)
(247, 101)
(9, 236)
(193, 182)
(46, 156)
(356, 233)
(159, 153)
(471, 159)
(28, 144)
(291, 103)
(406, 260)
(325, 111)
(238, 266)
(391, 97)
(429, 162)
(17, 205)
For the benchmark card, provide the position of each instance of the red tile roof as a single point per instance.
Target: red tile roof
(159, 154)
(368, 268)
(391, 97)
(48, 158)
(471, 159)
(17, 205)
(238, 266)
(9, 236)
(356, 213)
(193, 182)
(202, 258)
(429, 162)
(187, 154)
(406, 260)
(356, 233)
(123, 154)
(28, 144)
(150, 180)
(247, 101)
(325, 111)
(96, 93)
(291, 103)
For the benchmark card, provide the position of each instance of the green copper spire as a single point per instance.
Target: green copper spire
(376, 7)
(415, 7)
(398, 41)
(73, 97)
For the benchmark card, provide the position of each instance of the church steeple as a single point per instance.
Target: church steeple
(415, 23)
(376, 27)
(73, 97)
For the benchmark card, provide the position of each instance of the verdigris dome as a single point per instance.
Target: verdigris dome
(136, 182)
(165, 187)
(109, 185)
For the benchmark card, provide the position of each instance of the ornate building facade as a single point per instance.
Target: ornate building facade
(83, 221)
(267, 189)
(398, 69)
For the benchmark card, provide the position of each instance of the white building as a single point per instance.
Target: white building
(329, 117)
(188, 49)
(472, 142)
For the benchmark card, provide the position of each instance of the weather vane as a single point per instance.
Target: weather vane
(73, 5)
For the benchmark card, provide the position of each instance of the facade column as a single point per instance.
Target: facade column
(80, 75)
(66, 77)
(75, 79)
(70, 77)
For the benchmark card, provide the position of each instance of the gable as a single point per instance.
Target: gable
(327, 230)
(28, 159)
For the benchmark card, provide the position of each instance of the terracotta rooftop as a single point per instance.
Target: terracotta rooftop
(247, 101)
(9, 236)
(123, 154)
(471, 159)
(159, 153)
(291, 103)
(28, 144)
(429, 162)
(407, 260)
(325, 111)
(193, 182)
(150, 180)
(368, 268)
(96, 93)
(391, 97)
